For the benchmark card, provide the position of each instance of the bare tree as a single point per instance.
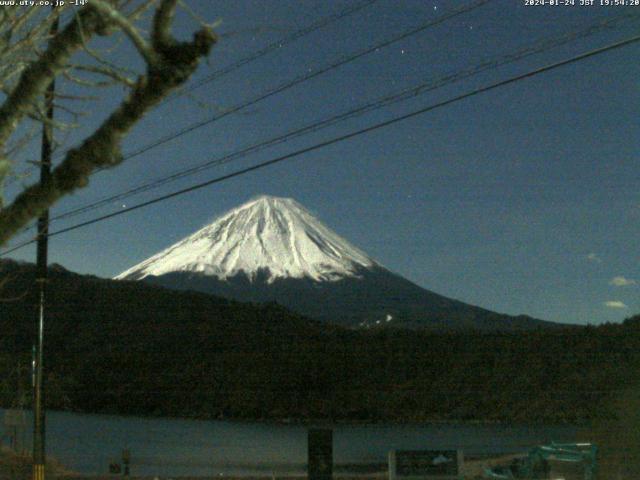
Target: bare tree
(31, 58)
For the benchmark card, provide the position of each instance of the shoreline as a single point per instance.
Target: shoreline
(320, 423)
(18, 467)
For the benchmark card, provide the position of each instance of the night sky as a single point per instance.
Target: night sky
(522, 200)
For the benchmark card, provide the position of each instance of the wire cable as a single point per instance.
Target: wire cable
(379, 103)
(274, 46)
(304, 78)
(290, 84)
(253, 57)
(343, 137)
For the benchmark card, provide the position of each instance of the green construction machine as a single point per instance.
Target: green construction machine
(548, 462)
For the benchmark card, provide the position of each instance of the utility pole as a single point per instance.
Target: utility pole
(39, 455)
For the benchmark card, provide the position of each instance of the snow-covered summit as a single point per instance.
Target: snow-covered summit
(270, 234)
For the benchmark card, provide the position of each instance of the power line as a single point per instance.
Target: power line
(290, 84)
(259, 54)
(304, 78)
(344, 137)
(275, 46)
(379, 103)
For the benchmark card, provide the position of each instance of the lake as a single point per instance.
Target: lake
(176, 447)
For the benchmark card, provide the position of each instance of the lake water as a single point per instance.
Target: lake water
(175, 447)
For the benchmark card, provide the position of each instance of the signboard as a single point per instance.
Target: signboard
(425, 464)
(320, 454)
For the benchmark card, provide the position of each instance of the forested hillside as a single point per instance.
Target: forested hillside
(126, 347)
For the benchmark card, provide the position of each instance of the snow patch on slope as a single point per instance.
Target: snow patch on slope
(271, 234)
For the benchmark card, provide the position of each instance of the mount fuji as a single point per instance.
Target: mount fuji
(272, 249)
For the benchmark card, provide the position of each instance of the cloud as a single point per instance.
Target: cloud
(621, 281)
(615, 304)
(592, 257)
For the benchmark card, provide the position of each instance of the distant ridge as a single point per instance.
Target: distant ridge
(126, 347)
(272, 249)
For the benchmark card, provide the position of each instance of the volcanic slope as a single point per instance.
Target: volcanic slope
(272, 249)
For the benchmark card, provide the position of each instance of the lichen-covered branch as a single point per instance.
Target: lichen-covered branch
(174, 62)
(35, 77)
(161, 34)
(127, 27)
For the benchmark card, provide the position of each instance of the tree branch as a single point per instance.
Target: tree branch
(128, 28)
(176, 62)
(111, 73)
(161, 33)
(35, 78)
